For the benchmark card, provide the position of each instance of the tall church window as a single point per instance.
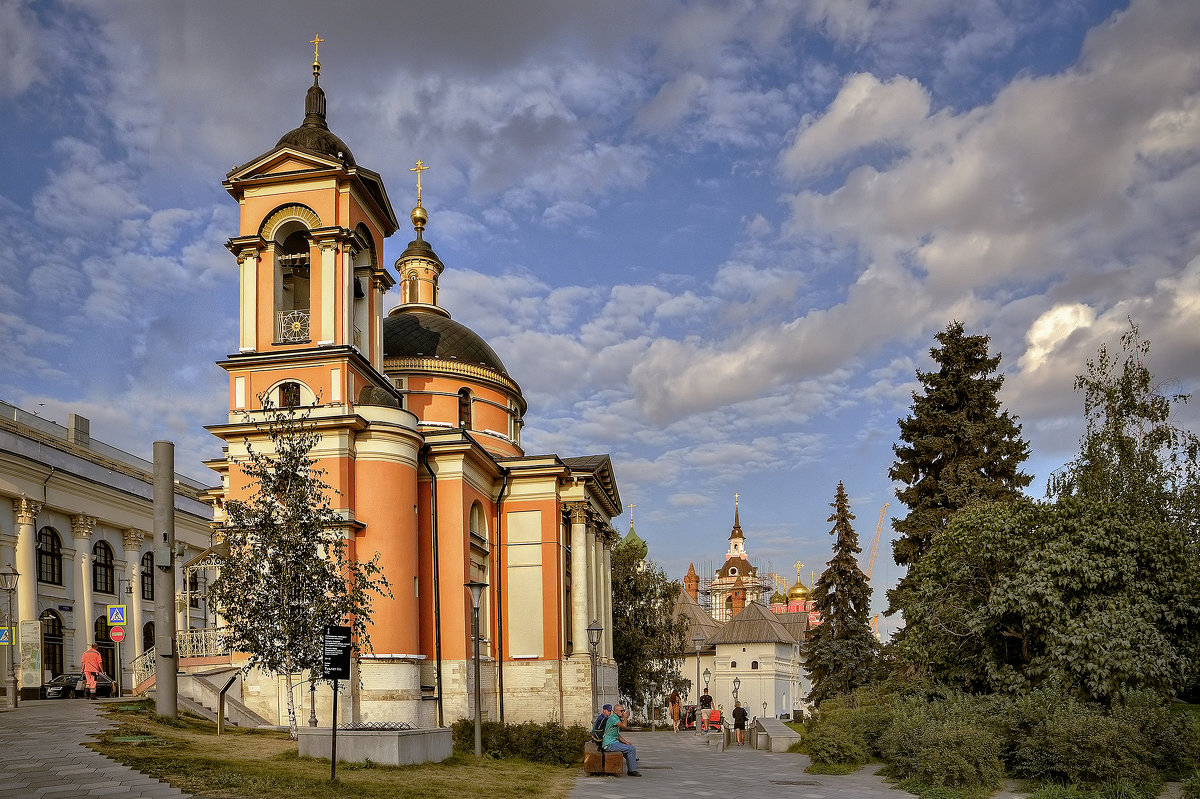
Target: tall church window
(464, 408)
(148, 576)
(413, 287)
(293, 297)
(103, 570)
(49, 549)
(52, 642)
(754, 664)
(479, 563)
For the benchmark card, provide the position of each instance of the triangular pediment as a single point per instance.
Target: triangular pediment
(282, 160)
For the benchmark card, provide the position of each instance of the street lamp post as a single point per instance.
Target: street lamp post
(8, 584)
(594, 631)
(698, 639)
(737, 683)
(477, 589)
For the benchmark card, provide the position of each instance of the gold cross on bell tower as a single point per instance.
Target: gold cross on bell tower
(316, 43)
(419, 168)
(799, 566)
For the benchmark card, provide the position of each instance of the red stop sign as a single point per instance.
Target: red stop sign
(117, 634)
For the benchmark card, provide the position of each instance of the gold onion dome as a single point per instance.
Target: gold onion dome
(798, 591)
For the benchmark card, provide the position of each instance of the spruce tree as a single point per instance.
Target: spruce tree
(957, 448)
(840, 652)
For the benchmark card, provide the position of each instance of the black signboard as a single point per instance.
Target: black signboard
(335, 661)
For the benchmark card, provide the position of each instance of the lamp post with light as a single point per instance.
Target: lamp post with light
(698, 639)
(8, 584)
(737, 683)
(594, 631)
(476, 588)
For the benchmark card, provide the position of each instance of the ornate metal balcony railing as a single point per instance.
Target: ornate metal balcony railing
(206, 642)
(291, 326)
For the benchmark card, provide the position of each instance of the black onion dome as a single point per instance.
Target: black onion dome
(314, 134)
(421, 334)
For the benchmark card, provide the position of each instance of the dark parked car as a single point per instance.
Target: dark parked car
(72, 684)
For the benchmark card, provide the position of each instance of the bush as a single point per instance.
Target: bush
(831, 744)
(537, 743)
(944, 743)
(865, 713)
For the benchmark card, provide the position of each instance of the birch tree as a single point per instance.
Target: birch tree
(288, 572)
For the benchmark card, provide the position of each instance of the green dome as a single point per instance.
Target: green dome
(634, 540)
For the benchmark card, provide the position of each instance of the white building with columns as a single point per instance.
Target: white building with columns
(79, 536)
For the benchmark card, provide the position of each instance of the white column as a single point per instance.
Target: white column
(579, 577)
(25, 552)
(132, 539)
(328, 291)
(606, 594)
(81, 530)
(248, 319)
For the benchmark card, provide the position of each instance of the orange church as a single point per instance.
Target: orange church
(420, 428)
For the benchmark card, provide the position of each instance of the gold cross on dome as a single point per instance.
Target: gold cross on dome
(799, 566)
(419, 168)
(316, 43)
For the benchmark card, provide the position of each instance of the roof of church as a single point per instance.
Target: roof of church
(754, 625)
(414, 333)
(742, 565)
(795, 622)
(696, 618)
(633, 539)
(314, 134)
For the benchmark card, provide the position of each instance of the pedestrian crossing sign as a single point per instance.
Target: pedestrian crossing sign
(116, 614)
(5, 636)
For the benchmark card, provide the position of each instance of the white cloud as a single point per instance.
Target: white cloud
(865, 113)
(20, 47)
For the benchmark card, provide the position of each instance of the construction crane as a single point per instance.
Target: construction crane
(871, 562)
(875, 543)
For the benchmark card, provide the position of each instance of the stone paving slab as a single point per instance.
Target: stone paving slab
(44, 755)
(683, 766)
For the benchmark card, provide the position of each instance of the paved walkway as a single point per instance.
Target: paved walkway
(42, 755)
(680, 766)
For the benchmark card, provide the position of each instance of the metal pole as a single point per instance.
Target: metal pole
(312, 702)
(593, 648)
(478, 720)
(12, 653)
(698, 694)
(333, 738)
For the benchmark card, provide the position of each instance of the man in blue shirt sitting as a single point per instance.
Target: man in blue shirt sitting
(618, 720)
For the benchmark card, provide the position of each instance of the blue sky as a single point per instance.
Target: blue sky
(713, 240)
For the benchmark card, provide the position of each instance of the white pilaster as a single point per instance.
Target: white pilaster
(81, 530)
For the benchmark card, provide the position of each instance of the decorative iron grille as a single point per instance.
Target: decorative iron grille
(291, 326)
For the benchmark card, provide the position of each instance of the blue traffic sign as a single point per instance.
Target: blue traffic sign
(116, 614)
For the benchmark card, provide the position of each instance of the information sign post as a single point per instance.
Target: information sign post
(335, 665)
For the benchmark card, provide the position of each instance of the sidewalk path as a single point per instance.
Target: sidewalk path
(44, 756)
(680, 766)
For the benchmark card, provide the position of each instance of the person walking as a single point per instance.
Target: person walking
(617, 721)
(739, 723)
(675, 703)
(705, 710)
(91, 665)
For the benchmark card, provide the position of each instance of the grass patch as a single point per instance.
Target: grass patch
(188, 754)
(832, 768)
(927, 791)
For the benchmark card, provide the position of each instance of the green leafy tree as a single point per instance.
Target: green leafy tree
(1079, 594)
(957, 448)
(1130, 451)
(288, 573)
(649, 641)
(840, 652)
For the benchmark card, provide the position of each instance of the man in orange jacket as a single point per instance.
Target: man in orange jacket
(92, 664)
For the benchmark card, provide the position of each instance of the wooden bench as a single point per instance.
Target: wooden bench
(597, 762)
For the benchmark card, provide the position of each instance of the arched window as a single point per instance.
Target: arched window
(733, 664)
(754, 664)
(52, 642)
(414, 290)
(104, 643)
(148, 576)
(49, 549)
(102, 568)
(464, 408)
(289, 395)
(147, 636)
(479, 564)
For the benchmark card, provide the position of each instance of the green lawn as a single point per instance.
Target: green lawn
(263, 764)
